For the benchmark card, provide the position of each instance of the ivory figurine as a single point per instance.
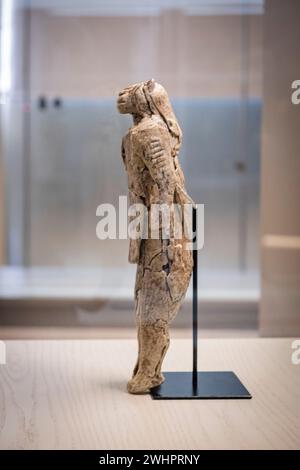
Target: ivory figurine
(164, 265)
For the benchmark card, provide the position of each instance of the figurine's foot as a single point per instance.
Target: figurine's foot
(141, 383)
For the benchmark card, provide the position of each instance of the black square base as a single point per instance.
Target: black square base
(208, 385)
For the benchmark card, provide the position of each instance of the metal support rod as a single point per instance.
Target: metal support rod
(195, 299)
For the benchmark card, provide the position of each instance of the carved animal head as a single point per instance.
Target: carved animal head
(148, 98)
(132, 100)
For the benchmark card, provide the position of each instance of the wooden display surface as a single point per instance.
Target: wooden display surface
(72, 395)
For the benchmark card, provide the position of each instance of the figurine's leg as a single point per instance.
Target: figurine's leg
(138, 283)
(158, 370)
(154, 341)
(135, 369)
(159, 294)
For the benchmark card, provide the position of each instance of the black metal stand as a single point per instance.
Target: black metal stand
(199, 385)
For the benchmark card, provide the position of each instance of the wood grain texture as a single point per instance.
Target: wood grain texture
(72, 395)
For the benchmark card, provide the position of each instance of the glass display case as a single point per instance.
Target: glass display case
(61, 131)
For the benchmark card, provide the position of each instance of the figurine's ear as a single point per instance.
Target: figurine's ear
(151, 84)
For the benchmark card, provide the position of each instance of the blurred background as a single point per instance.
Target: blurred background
(228, 66)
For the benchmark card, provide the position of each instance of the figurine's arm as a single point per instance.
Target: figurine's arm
(156, 154)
